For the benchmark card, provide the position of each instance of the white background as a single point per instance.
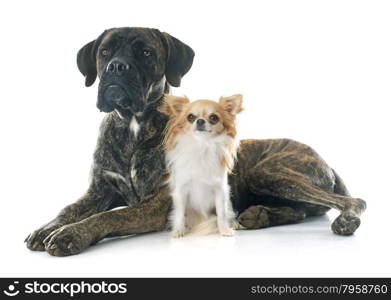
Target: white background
(315, 71)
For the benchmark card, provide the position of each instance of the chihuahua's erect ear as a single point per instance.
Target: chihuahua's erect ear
(232, 104)
(173, 105)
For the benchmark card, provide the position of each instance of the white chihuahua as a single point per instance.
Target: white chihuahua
(201, 146)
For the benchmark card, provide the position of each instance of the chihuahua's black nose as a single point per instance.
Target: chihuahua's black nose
(200, 122)
(117, 67)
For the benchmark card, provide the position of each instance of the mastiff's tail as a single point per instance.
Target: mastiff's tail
(205, 227)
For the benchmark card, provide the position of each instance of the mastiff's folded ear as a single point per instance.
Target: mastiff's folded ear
(86, 60)
(179, 59)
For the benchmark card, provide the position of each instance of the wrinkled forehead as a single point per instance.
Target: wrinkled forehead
(130, 35)
(203, 107)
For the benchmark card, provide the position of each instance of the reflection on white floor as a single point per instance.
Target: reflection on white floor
(305, 249)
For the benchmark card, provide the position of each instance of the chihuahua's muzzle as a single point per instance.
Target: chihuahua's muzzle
(200, 125)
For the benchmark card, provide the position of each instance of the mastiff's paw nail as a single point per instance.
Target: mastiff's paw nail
(70, 245)
(48, 238)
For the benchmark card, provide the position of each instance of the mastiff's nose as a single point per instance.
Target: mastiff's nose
(117, 67)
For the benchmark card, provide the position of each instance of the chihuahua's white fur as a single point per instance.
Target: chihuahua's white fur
(199, 183)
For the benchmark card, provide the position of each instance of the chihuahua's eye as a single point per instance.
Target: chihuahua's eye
(104, 52)
(213, 118)
(191, 117)
(147, 52)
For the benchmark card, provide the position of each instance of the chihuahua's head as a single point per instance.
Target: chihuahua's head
(202, 117)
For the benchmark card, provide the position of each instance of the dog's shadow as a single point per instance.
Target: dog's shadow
(317, 228)
(147, 241)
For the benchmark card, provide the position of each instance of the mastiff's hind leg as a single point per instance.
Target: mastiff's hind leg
(259, 216)
(284, 182)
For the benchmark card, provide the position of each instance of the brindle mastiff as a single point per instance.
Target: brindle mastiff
(274, 182)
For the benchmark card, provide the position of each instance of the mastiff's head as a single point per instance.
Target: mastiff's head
(134, 65)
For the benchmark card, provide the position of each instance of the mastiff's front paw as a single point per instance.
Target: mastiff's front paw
(35, 240)
(68, 240)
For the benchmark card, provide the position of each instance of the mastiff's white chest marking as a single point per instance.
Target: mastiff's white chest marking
(133, 172)
(134, 126)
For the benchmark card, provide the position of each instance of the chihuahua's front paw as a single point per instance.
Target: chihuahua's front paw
(227, 232)
(236, 225)
(178, 232)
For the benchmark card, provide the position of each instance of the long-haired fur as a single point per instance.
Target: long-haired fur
(201, 145)
(177, 109)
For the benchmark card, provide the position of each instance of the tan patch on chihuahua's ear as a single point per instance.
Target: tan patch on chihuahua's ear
(173, 105)
(232, 104)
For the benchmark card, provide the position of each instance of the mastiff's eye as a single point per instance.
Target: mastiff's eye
(104, 52)
(191, 117)
(147, 52)
(213, 118)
